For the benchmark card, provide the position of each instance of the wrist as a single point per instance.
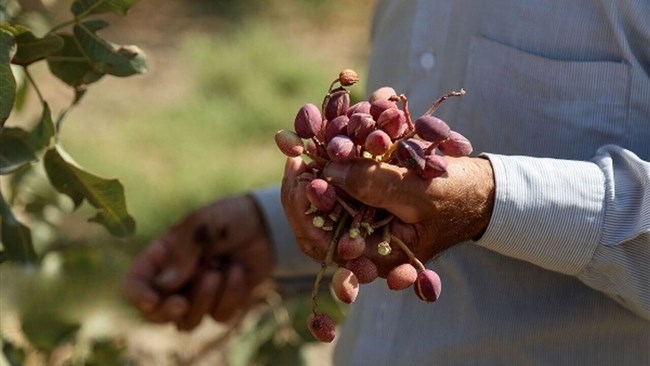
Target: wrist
(485, 196)
(469, 198)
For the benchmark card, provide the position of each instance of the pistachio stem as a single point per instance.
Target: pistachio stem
(439, 101)
(327, 262)
(352, 212)
(409, 253)
(383, 222)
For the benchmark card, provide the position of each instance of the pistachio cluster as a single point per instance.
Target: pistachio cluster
(381, 129)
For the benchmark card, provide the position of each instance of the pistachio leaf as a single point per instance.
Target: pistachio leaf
(107, 195)
(15, 149)
(71, 65)
(31, 48)
(7, 81)
(16, 238)
(87, 7)
(106, 57)
(41, 136)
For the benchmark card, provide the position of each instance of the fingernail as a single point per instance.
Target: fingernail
(336, 173)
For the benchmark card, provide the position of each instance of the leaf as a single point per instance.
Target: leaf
(87, 7)
(18, 147)
(107, 195)
(277, 353)
(13, 355)
(7, 81)
(15, 149)
(105, 57)
(47, 331)
(71, 65)
(16, 237)
(252, 337)
(41, 136)
(31, 48)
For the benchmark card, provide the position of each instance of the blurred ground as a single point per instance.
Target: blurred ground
(223, 77)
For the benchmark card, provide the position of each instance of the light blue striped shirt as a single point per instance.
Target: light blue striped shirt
(558, 98)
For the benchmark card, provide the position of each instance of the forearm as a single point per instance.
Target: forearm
(586, 219)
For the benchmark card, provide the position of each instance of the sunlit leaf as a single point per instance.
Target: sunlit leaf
(7, 81)
(107, 195)
(31, 48)
(15, 149)
(16, 238)
(87, 7)
(21, 90)
(105, 57)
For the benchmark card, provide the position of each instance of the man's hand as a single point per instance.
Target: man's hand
(433, 214)
(208, 263)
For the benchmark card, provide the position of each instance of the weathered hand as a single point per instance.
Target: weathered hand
(208, 263)
(432, 214)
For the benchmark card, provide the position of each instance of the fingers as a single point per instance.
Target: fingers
(381, 185)
(171, 309)
(201, 298)
(138, 284)
(312, 241)
(232, 296)
(169, 282)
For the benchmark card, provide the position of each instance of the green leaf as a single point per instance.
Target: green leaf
(7, 81)
(252, 337)
(71, 65)
(41, 136)
(87, 7)
(13, 355)
(108, 58)
(31, 48)
(18, 147)
(16, 237)
(47, 331)
(277, 353)
(15, 149)
(107, 195)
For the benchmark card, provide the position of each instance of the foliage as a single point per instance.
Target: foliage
(78, 59)
(78, 56)
(206, 139)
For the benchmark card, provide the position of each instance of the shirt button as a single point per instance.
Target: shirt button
(428, 60)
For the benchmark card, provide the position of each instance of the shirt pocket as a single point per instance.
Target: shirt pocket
(522, 103)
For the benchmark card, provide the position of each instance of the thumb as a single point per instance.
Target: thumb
(381, 185)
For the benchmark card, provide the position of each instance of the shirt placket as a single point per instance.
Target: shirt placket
(430, 23)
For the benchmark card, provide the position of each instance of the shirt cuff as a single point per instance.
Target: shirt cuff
(290, 262)
(548, 212)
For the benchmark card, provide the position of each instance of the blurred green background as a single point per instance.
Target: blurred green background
(224, 75)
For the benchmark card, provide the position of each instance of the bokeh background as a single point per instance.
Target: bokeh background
(223, 76)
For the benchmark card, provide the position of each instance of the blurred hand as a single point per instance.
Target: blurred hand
(208, 263)
(433, 214)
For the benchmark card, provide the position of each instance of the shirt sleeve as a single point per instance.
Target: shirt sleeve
(590, 219)
(290, 261)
